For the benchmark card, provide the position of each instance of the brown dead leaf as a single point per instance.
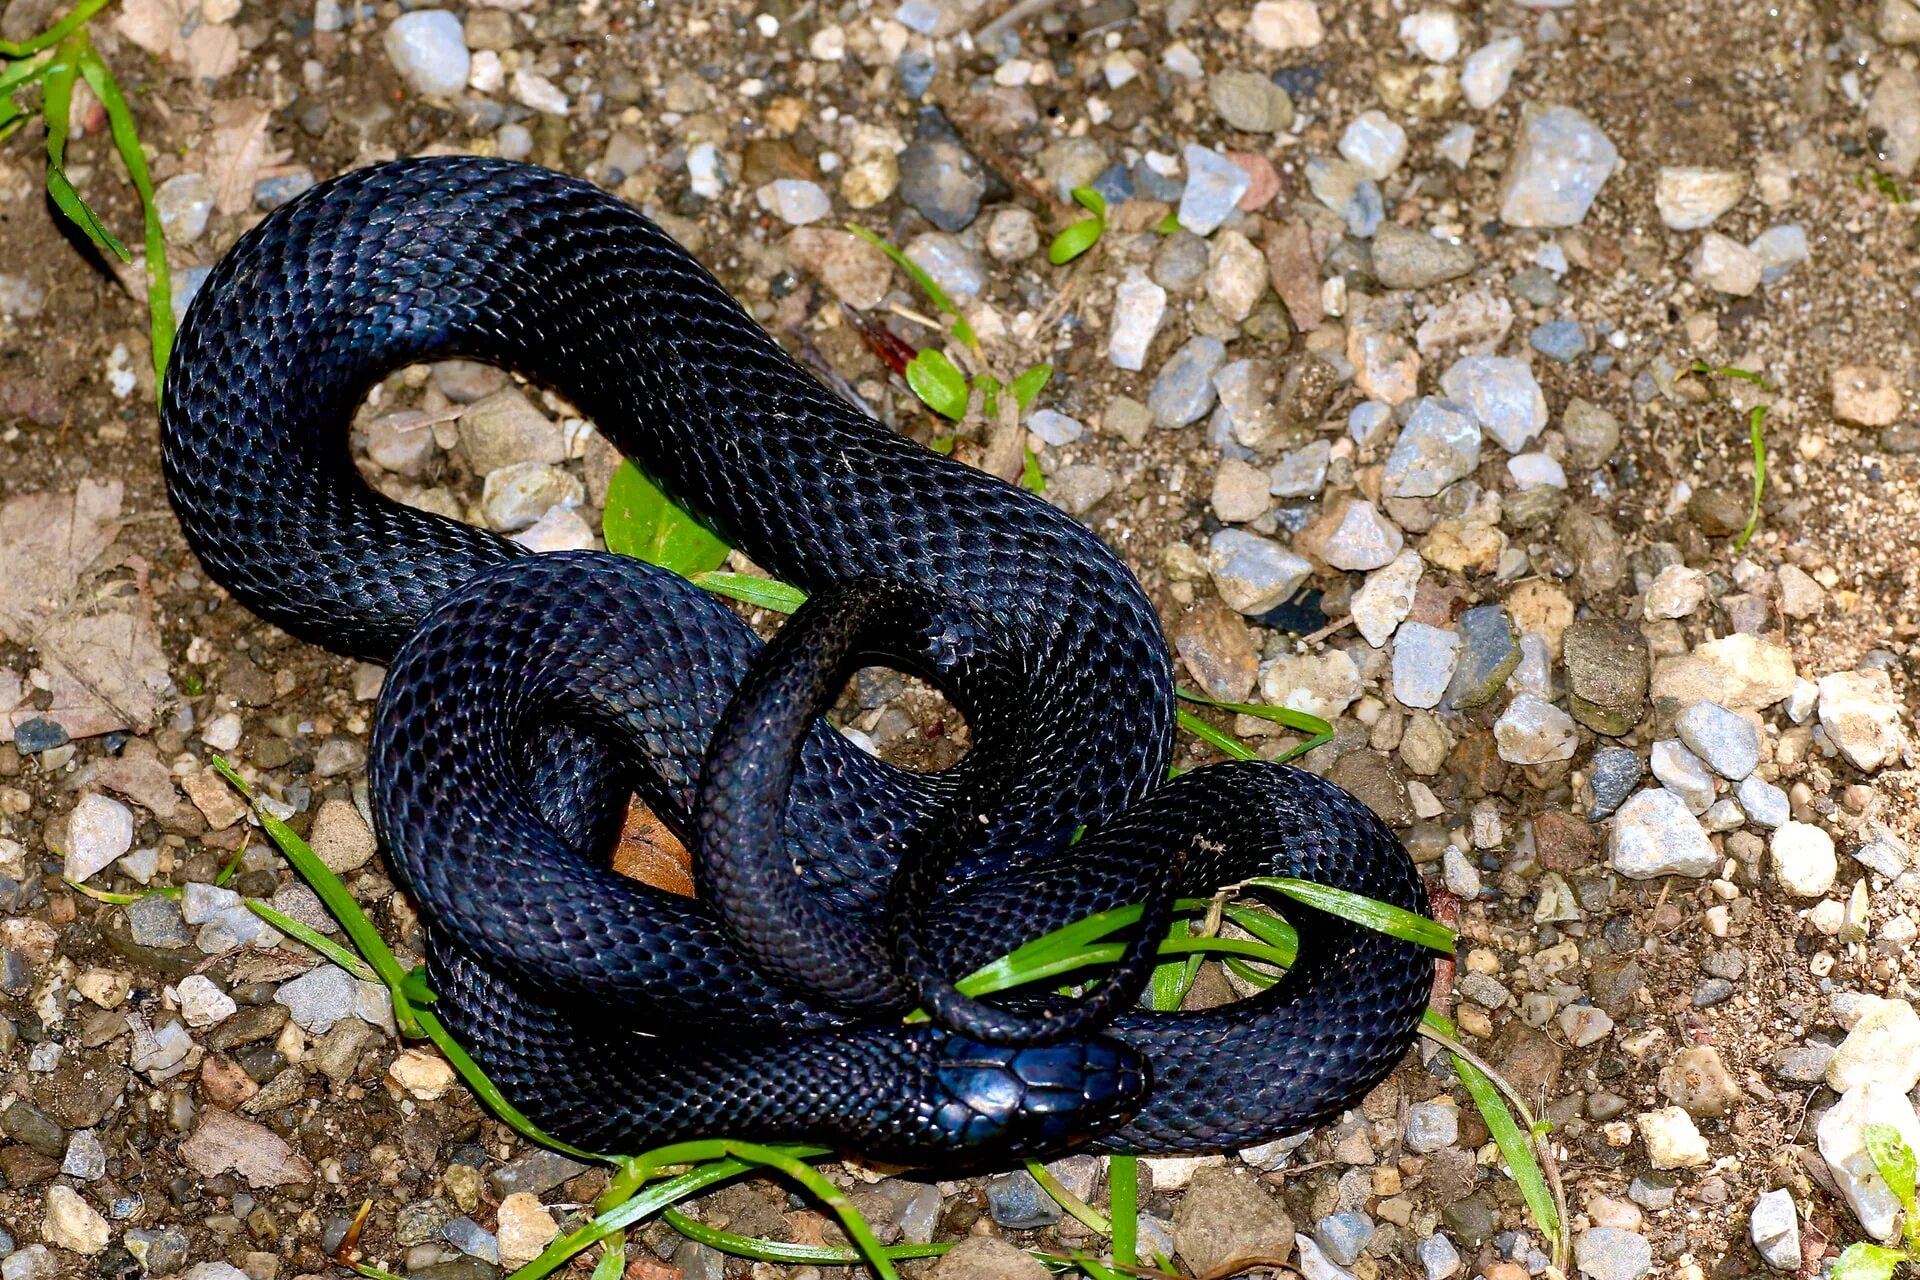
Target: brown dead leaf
(237, 148)
(154, 25)
(213, 50)
(650, 853)
(96, 641)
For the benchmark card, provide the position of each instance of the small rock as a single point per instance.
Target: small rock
(1501, 394)
(1803, 859)
(224, 1142)
(953, 266)
(99, 830)
(1226, 1222)
(1780, 249)
(1560, 161)
(1774, 1228)
(1655, 834)
(1236, 276)
(1302, 472)
(1322, 684)
(1384, 600)
(1893, 121)
(1214, 187)
(1764, 804)
(1861, 715)
(1866, 394)
(320, 998)
(1438, 1258)
(72, 1223)
(1696, 1079)
(184, 202)
(86, 1158)
(1439, 445)
(1884, 1046)
(1842, 1140)
(1352, 536)
(1673, 1141)
(984, 1258)
(1314, 1263)
(1184, 391)
(939, 177)
(1489, 652)
(1376, 146)
(1726, 741)
(523, 1229)
(1726, 266)
(1139, 305)
(1489, 71)
(1348, 192)
(1013, 234)
(516, 496)
(1408, 258)
(1609, 1253)
(1250, 102)
(1616, 772)
(428, 48)
(202, 1003)
(1431, 1126)
(1531, 731)
(1607, 674)
(1691, 199)
(1562, 340)
(341, 837)
(1584, 1025)
(1424, 660)
(795, 201)
(503, 428)
(1079, 487)
(1018, 1203)
(1282, 25)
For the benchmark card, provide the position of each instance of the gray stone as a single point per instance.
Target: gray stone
(504, 428)
(428, 47)
(1592, 434)
(155, 922)
(184, 202)
(1611, 1253)
(1725, 740)
(1431, 1126)
(1018, 1203)
(1616, 772)
(1345, 190)
(1560, 160)
(32, 1127)
(1654, 834)
(953, 266)
(1424, 659)
(1227, 1221)
(1893, 114)
(1501, 394)
(160, 1251)
(1341, 1236)
(1683, 773)
(1409, 258)
(1250, 102)
(1438, 1258)
(1439, 445)
(1562, 340)
(939, 177)
(86, 1158)
(1184, 391)
(1764, 804)
(1608, 668)
(1214, 187)
(1774, 1228)
(1254, 574)
(320, 998)
(1489, 652)
(472, 1239)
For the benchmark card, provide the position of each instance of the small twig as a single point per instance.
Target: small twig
(1339, 624)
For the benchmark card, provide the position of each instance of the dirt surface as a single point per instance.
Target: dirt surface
(109, 628)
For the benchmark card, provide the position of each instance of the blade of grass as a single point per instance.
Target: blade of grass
(126, 139)
(779, 1251)
(57, 106)
(852, 1221)
(326, 946)
(81, 15)
(1318, 731)
(1123, 1204)
(1225, 743)
(928, 285)
(1083, 1213)
(1757, 439)
(1384, 917)
(643, 1205)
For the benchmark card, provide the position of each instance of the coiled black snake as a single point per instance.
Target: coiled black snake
(529, 695)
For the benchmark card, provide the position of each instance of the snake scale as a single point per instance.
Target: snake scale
(529, 696)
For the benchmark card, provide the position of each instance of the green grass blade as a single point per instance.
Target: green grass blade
(1226, 744)
(1075, 240)
(126, 138)
(642, 1206)
(1270, 929)
(1383, 917)
(764, 592)
(852, 1221)
(23, 73)
(1734, 371)
(57, 107)
(1757, 440)
(927, 284)
(825, 1255)
(1082, 1212)
(81, 15)
(1123, 1204)
(1030, 384)
(1032, 479)
(1318, 731)
(1172, 980)
(326, 946)
(1028, 961)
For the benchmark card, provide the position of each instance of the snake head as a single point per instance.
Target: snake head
(993, 1097)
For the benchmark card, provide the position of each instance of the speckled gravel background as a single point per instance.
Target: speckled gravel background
(1398, 426)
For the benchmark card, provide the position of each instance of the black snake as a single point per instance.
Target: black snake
(529, 695)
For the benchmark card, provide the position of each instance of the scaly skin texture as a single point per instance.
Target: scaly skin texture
(528, 695)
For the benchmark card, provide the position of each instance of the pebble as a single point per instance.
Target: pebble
(953, 266)
(795, 201)
(1560, 161)
(1439, 445)
(1462, 878)
(1562, 340)
(1438, 1258)
(1501, 394)
(270, 193)
(161, 1251)
(1655, 834)
(424, 1075)
(1456, 145)
(1018, 1203)
(1227, 1220)
(1866, 394)
(1349, 193)
(428, 47)
(1354, 537)
(983, 1258)
(1726, 740)
(1139, 306)
(1780, 249)
(515, 496)
(1726, 266)
(1214, 187)
(1488, 72)
(1609, 1253)
(1432, 1126)
(939, 177)
(1282, 25)
(1607, 674)
(1252, 573)
(99, 830)
(159, 1050)
(1249, 102)
(1616, 771)
(1368, 421)
(1341, 1236)
(202, 1002)
(1536, 471)
(1893, 119)
(1673, 1140)
(30, 1263)
(341, 837)
(1584, 1025)
(1842, 1140)
(1489, 652)
(1240, 492)
(706, 177)
(1696, 1079)
(318, 999)
(184, 202)
(1386, 598)
(1424, 658)
(1434, 34)
(1321, 684)
(86, 1158)
(1184, 391)
(1236, 276)
(1080, 487)
(1374, 145)
(1013, 234)
(1531, 731)
(1409, 258)
(1774, 1228)
(72, 1223)
(1861, 715)
(1884, 1045)
(1803, 859)
(522, 1229)
(1055, 428)
(1682, 773)
(537, 1171)
(1692, 199)
(1302, 472)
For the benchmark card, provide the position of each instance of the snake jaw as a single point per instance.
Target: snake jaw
(1009, 1097)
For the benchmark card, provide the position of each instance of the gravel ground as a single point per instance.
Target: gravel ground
(1396, 418)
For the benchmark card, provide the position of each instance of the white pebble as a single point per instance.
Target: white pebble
(428, 48)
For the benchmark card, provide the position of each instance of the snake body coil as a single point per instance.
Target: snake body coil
(528, 696)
